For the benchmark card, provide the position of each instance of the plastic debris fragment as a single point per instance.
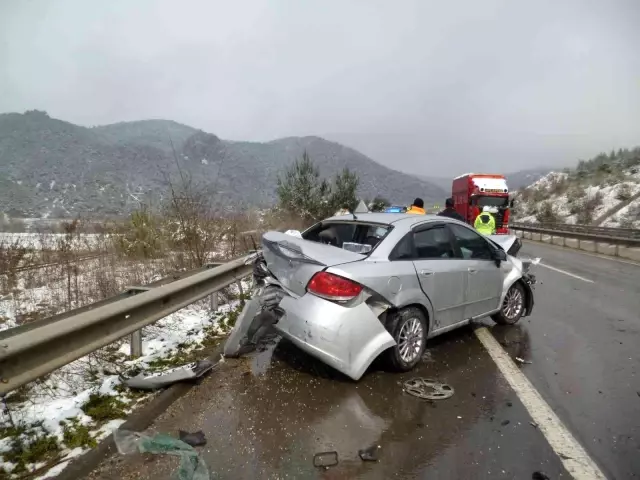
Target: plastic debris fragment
(195, 439)
(192, 467)
(369, 454)
(153, 381)
(539, 476)
(521, 360)
(325, 459)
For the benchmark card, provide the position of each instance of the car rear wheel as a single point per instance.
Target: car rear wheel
(409, 330)
(512, 307)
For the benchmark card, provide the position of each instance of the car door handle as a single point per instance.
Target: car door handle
(426, 273)
(472, 270)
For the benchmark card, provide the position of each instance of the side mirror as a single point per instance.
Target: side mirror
(512, 203)
(500, 256)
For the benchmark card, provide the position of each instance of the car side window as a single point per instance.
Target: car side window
(471, 243)
(403, 249)
(433, 243)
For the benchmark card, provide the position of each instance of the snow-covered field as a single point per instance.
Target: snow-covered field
(52, 241)
(52, 421)
(567, 205)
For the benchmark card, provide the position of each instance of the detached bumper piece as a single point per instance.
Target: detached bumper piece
(154, 381)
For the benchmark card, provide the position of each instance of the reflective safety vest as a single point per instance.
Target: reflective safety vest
(485, 223)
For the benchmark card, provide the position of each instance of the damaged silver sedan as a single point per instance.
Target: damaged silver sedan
(354, 287)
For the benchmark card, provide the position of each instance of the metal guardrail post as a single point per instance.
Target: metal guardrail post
(214, 302)
(136, 344)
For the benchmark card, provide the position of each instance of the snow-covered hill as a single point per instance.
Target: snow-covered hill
(610, 199)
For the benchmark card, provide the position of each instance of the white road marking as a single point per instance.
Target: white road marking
(574, 458)
(582, 252)
(565, 272)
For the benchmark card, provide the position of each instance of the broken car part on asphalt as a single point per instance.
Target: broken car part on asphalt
(352, 287)
(192, 467)
(369, 454)
(195, 439)
(428, 389)
(154, 381)
(325, 459)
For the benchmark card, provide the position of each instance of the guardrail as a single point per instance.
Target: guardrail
(35, 349)
(613, 236)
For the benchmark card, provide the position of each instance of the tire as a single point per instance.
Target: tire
(409, 329)
(513, 306)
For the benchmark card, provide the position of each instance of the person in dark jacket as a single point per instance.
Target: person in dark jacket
(449, 211)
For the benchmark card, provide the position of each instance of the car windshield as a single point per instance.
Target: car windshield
(491, 201)
(357, 237)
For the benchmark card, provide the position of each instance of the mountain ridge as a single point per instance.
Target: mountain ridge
(51, 167)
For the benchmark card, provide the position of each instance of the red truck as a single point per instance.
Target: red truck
(473, 191)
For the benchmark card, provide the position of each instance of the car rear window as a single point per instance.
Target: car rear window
(354, 236)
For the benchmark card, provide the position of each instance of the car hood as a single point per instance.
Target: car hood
(505, 241)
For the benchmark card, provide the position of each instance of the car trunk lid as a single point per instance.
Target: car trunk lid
(293, 261)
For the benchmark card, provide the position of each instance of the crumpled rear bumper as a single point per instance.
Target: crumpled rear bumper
(346, 338)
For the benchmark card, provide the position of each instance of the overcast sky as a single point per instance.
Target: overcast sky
(435, 87)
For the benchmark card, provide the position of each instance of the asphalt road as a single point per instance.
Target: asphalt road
(267, 415)
(584, 339)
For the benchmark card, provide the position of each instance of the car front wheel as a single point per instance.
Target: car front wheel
(409, 330)
(512, 307)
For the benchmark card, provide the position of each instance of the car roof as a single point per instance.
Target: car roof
(396, 219)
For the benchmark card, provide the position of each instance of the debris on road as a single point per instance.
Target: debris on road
(325, 459)
(505, 423)
(533, 424)
(165, 378)
(192, 467)
(428, 389)
(369, 454)
(539, 476)
(195, 439)
(527, 362)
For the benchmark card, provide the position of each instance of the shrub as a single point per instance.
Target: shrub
(547, 213)
(103, 408)
(624, 192)
(588, 207)
(75, 435)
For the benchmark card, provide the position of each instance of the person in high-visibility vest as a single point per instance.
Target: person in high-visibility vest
(485, 222)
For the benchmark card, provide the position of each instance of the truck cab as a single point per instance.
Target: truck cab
(472, 192)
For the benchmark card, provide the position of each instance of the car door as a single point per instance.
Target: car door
(484, 281)
(442, 276)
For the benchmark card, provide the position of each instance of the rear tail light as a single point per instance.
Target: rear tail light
(332, 287)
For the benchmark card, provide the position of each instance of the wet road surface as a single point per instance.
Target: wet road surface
(267, 415)
(584, 344)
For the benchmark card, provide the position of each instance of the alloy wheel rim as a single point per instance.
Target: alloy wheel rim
(410, 340)
(513, 303)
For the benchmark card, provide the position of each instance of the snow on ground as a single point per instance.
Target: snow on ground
(609, 197)
(40, 241)
(59, 406)
(624, 218)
